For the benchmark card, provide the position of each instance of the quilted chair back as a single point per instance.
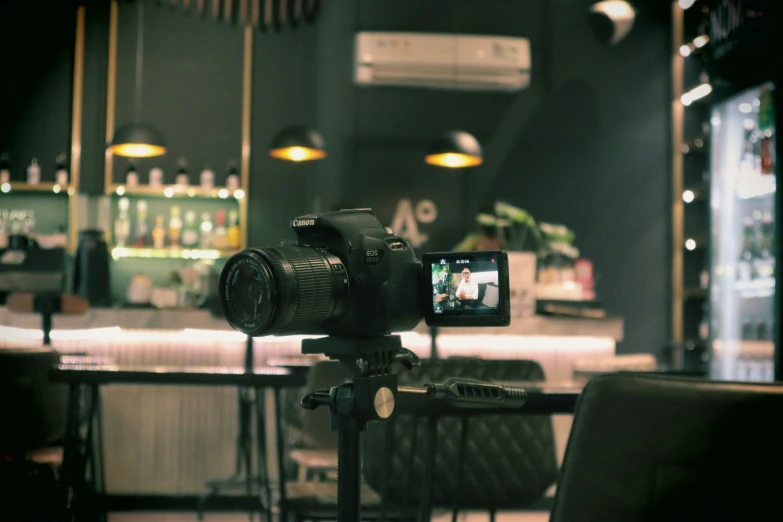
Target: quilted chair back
(509, 461)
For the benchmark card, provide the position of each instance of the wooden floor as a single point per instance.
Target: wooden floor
(239, 517)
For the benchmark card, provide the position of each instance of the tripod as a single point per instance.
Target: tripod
(372, 397)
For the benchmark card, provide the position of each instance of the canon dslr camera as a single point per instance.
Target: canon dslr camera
(349, 276)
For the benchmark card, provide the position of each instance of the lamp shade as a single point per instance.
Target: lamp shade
(137, 140)
(298, 144)
(455, 149)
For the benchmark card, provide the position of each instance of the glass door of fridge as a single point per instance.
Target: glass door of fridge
(743, 235)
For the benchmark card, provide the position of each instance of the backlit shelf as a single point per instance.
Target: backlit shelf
(176, 191)
(16, 187)
(763, 287)
(170, 253)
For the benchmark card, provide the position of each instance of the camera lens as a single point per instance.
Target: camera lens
(283, 290)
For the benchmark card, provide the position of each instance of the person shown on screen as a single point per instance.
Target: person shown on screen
(467, 289)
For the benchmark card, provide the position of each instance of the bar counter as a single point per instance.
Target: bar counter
(152, 432)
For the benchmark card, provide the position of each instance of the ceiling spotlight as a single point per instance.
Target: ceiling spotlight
(611, 20)
(455, 149)
(298, 144)
(685, 4)
(688, 196)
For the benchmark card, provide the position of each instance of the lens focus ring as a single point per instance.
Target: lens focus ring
(304, 277)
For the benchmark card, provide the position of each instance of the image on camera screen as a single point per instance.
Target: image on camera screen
(465, 285)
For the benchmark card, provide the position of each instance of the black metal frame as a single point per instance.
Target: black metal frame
(81, 493)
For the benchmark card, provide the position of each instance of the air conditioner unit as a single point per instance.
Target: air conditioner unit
(443, 61)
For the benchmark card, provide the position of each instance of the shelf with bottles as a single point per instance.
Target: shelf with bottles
(182, 187)
(18, 187)
(159, 230)
(33, 184)
(170, 253)
(177, 192)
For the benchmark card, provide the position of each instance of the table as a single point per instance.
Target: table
(83, 434)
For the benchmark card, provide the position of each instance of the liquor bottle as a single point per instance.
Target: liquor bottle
(190, 231)
(207, 178)
(232, 180)
(159, 232)
(745, 265)
(182, 173)
(233, 230)
(34, 172)
(131, 176)
(704, 324)
(4, 215)
(142, 230)
(206, 231)
(29, 224)
(768, 230)
(220, 236)
(175, 227)
(156, 177)
(122, 224)
(5, 173)
(61, 171)
(767, 132)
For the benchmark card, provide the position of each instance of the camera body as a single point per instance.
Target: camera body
(382, 271)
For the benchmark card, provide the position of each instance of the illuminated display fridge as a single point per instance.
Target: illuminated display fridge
(744, 204)
(745, 236)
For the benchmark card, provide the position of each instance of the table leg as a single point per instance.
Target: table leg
(280, 457)
(265, 490)
(71, 451)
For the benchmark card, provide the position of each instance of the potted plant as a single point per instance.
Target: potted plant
(513, 229)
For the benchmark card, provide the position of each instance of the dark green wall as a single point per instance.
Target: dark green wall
(586, 145)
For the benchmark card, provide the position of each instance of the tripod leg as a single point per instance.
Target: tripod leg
(348, 466)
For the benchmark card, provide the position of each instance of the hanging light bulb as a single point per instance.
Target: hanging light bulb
(298, 144)
(455, 149)
(136, 139)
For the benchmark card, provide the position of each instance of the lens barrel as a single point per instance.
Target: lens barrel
(289, 289)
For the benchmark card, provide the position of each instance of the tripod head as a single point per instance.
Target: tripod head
(372, 393)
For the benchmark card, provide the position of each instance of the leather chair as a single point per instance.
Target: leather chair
(487, 463)
(658, 448)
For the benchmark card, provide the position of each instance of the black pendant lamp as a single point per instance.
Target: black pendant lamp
(455, 149)
(298, 143)
(138, 140)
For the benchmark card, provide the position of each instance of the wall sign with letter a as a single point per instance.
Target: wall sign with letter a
(407, 219)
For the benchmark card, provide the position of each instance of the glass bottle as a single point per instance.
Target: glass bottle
(206, 231)
(61, 171)
(207, 178)
(745, 265)
(232, 181)
(159, 233)
(156, 177)
(131, 176)
(141, 224)
(220, 236)
(34, 172)
(182, 178)
(5, 173)
(122, 224)
(190, 231)
(233, 230)
(175, 226)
